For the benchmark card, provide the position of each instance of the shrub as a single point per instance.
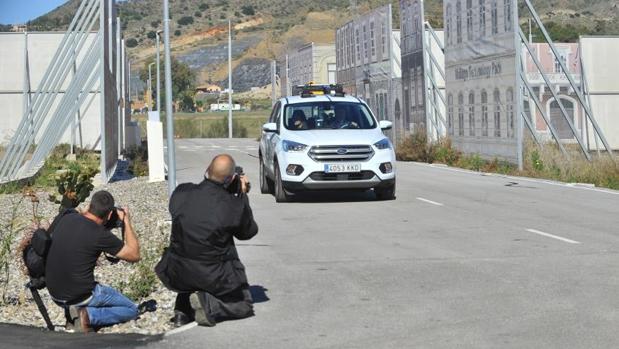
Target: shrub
(177, 32)
(203, 7)
(151, 34)
(138, 158)
(74, 185)
(248, 10)
(185, 20)
(197, 14)
(155, 24)
(415, 148)
(131, 43)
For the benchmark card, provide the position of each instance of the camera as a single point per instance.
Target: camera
(115, 222)
(233, 183)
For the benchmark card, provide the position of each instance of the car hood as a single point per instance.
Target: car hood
(336, 137)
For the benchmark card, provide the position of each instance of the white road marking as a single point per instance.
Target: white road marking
(181, 329)
(430, 201)
(534, 231)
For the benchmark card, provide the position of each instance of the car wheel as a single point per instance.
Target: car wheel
(266, 185)
(386, 193)
(280, 193)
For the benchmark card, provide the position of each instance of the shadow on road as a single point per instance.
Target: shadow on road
(258, 294)
(17, 336)
(318, 197)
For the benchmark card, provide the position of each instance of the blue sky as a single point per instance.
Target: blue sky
(20, 11)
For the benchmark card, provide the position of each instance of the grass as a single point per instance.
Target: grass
(213, 124)
(546, 162)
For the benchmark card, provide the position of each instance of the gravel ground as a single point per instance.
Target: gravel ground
(147, 203)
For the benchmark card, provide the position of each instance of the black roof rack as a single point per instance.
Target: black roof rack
(311, 90)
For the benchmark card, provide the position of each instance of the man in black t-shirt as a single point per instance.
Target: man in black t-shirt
(77, 242)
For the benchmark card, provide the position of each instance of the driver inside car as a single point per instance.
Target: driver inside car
(299, 121)
(341, 119)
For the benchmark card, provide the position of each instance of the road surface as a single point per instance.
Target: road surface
(459, 260)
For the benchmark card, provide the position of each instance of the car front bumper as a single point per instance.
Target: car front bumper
(313, 176)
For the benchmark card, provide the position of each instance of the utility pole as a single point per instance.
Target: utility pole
(168, 98)
(150, 88)
(158, 81)
(229, 78)
(273, 81)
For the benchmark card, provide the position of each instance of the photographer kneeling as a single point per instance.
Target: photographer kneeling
(78, 241)
(202, 263)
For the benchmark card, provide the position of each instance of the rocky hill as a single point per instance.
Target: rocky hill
(263, 29)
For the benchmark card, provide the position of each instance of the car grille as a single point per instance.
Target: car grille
(357, 176)
(331, 153)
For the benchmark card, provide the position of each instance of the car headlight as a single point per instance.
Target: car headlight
(290, 146)
(383, 144)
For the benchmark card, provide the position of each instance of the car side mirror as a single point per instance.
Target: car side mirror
(269, 127)
(385, 125)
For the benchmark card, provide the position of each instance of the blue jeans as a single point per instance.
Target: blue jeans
(109, 307)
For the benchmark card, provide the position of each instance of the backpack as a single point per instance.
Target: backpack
(35, 252)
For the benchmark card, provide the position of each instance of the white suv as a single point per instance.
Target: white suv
(325, 142)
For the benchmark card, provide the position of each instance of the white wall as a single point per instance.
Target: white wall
(41, 50)
(599, 55)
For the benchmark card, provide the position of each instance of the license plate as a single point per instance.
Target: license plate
(342, 168)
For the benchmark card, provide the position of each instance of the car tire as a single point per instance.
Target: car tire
(385, 193)
(280, 192)
(266, 184)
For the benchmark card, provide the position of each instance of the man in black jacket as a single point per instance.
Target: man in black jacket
(202, 263)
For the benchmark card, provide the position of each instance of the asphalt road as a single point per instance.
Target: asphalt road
(459, 260)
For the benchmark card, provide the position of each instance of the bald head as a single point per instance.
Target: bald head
(220, 168)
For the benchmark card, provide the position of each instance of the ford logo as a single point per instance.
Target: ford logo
(342, 151)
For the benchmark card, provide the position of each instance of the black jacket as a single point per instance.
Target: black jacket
(202, 255)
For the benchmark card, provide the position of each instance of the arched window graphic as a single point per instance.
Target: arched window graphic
(558, 121)
(509, 102)
(507, 10)
(460, 115)
(497, 113)
(450, 114)
(458, 22)
(484, 113)
(494, 14)
(472, 114)
(397, 111)
(448, 25)
(469, 20)
(482, 18)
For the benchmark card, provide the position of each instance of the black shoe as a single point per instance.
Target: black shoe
(200, 305)
(180, 319)
(147, 306)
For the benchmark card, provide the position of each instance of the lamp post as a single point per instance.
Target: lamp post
(150, 88)
(229, 78)
(158, 79)
(168, 100)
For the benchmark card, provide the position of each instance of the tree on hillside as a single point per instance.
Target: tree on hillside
(183, 82)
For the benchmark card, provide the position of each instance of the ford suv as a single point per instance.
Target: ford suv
(325, 141)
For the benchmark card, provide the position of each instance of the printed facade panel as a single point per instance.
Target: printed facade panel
(413, 75)
(367, 66)
(480, 61)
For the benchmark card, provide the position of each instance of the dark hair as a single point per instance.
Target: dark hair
(101, 204)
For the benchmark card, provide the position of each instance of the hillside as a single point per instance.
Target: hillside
(266, 28)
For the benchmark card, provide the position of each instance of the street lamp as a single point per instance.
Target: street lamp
(158, 81)
(150, 87)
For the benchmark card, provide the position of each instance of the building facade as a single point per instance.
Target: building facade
(311, 63)
(481, 81)
(368, 63)
(570, 56)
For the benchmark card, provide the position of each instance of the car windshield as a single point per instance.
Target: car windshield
(328, 116)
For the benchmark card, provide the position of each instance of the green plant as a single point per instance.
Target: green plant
(536, 161)
(415, 148)
(74, 185)
(132, 42)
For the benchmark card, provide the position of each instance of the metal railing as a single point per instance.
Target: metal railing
(57, 103)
